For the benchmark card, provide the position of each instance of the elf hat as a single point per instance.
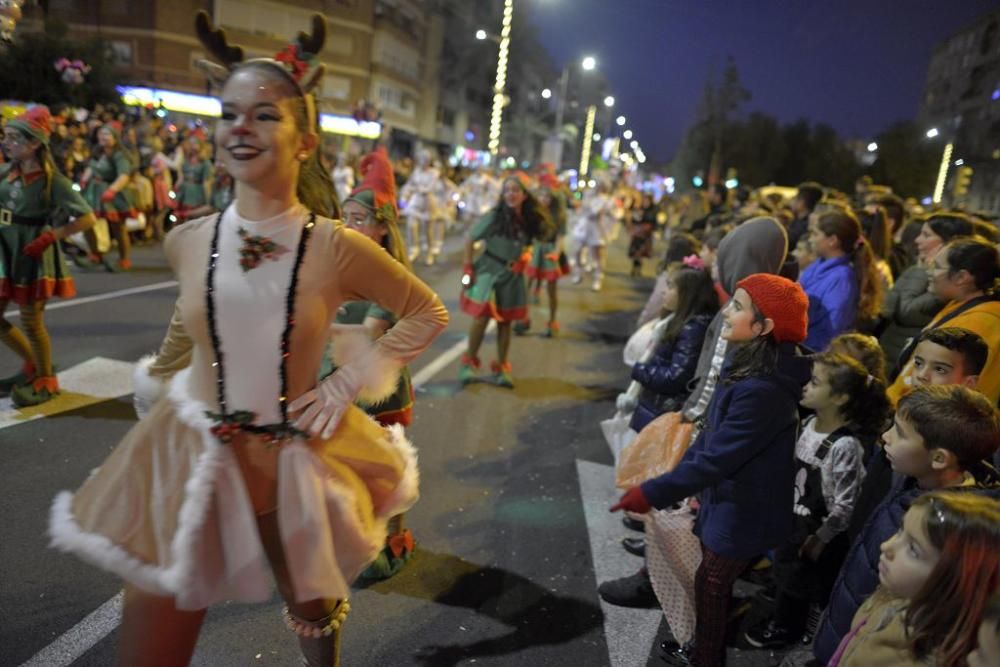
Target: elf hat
(35, 123)
(377, 191)
(782, 301)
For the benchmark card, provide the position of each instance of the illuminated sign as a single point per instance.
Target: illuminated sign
(202, 105)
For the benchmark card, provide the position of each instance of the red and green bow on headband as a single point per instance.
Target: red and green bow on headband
(297, 60)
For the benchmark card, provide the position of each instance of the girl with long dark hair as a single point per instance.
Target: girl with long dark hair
(690, 296)
(493, 286)
(250, 464)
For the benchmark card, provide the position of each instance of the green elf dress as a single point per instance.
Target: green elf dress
(25, 211)
(191, 193)
(544, 263)
(104, 170)
(499, 289)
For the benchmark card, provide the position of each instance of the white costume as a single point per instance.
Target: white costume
(594, 220)
(420, 207)
(479, 194)
(343, 179)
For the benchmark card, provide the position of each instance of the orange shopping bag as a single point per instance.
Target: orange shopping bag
(657, 449)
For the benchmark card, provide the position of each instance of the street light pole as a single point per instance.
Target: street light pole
(496, 118)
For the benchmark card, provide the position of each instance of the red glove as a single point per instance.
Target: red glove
(468, 275)
(108, 195)
(632, 501)
(36, 248)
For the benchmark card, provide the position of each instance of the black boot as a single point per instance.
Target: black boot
(635, 591)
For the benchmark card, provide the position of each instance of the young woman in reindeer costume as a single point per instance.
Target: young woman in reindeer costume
(32, 269)
(248, 461)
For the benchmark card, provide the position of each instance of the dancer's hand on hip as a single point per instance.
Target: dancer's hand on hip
(324, 406)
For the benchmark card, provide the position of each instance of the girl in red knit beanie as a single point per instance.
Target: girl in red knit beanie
(742, 463)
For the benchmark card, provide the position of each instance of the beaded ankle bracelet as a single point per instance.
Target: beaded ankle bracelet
(321, 628)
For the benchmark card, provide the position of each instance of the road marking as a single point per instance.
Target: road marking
(95, 380)
(81, 637)
(70, 303)
(630, 633)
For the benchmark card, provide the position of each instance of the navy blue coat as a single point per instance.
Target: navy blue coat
(665, 377)
(743, 463)
(858, 576)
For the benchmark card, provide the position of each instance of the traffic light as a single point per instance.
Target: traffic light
(963, 178)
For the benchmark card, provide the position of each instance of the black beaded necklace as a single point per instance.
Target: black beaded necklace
(229, 423)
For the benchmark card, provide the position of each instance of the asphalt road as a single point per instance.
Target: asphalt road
(512, 529)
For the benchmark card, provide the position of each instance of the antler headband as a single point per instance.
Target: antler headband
(297, 60)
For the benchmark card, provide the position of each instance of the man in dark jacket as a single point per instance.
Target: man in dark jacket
(803, 204)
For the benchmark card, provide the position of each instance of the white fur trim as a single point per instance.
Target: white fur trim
(379, 373)
(66, 535)
(98, 550)
(407, 492)
(147, 389)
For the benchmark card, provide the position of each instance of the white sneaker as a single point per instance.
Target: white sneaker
(596, 285)
(577, 279)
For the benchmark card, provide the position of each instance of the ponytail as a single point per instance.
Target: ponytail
(845, 226)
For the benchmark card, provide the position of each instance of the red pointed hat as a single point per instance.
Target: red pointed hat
(377, 191)
(35, 123)
(549, 180)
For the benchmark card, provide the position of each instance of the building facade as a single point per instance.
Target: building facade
(962, 101)
(382, 51)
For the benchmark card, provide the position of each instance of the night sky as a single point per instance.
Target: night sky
(857, 65)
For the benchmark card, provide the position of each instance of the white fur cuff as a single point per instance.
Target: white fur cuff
(146, 388)
(379, 374)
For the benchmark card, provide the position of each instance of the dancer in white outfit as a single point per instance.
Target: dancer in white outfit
(420, 208)
(343, 177)
(594, 220)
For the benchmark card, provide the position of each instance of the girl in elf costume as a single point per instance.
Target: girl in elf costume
(248, 464)
(105, 188)
(544, 265)
(371, 210)
(195, 183)
(32, 269)
(493, 286)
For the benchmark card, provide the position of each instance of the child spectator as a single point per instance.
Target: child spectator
(829, 456)
(946, 356)
(863, 348)
(938, 436)
(803, 254)
(937, 575)
(690, 296)
(741, 464)
(843, 284)
(679, 246)
(964, 273)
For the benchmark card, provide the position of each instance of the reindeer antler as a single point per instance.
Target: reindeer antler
(214, 39)
(313, 43)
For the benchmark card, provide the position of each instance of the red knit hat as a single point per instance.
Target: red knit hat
(35, 123)
(377, 190)
(782, 301)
